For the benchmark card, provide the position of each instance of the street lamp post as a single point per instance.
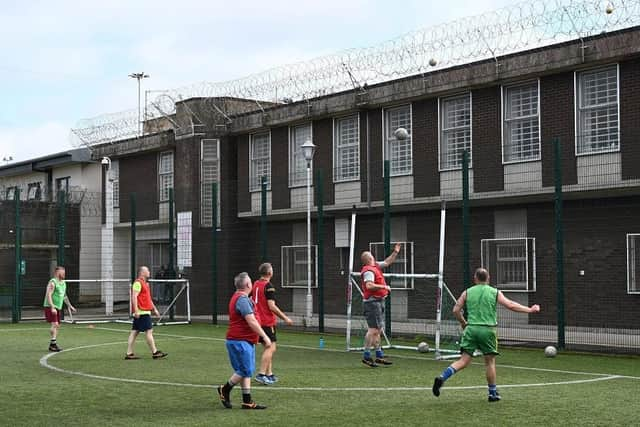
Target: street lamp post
(308, 150)
(138, 77)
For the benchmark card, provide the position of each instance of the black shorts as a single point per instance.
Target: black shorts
(142, 323)
(271, 333)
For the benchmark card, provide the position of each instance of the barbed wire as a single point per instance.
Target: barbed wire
(512, 29)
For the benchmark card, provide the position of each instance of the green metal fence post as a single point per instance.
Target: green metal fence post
(132, 251)
(17, 300)
(263, 219)
(466, 274)
(559, 241)
(62, 219)
(214, 253)
(320, 261)
(387, 237)
(172, 250)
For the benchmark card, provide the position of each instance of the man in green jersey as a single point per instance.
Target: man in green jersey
(480, 329)
(53, 299)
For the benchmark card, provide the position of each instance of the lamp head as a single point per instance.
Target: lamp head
(308, 150)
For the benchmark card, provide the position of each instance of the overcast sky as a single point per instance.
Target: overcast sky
(66, 60)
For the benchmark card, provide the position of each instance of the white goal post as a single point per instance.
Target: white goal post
(171, 297)
(441, 293)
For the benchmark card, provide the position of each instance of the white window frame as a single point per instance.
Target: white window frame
(60, 180)
(632, 272)
(441, 130)
(388, 138)
(115, 183)
(163, 193)
(284, 261)
(406, 264)
(37, 194)
(577, 109)
(205, 202)
(530, 252)
(293, 174)
(505, 135)
(254, 180)
(338, 176)
(10, 192)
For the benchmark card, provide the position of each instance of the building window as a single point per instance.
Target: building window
(402, 265)
(398, 151)
(346, 144)
(298, 135)
(209, 173)
(62, 184)
(521, 134)
(115, 176)
(34, 191)
(455, 131)
(294, 266)
(259, 160)
(165, 175)
(597, 101)
(633, 263)
(10, 193)
(511, 263)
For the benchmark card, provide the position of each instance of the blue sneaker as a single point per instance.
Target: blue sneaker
(273, 378)
(263, 379)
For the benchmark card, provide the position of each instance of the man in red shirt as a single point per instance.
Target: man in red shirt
(141, 306)
(264, 297)
(375, 290)
(242, 336)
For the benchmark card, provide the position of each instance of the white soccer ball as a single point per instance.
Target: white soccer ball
(550, 351)
(423, 347)
(401, 133)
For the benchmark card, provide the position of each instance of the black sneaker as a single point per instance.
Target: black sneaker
(494, 397)
(224, 397)
(437, 383)
(131, 357)
(253, 405)
(54, 347)
(369, 362)
(383, 361)
(159, 355)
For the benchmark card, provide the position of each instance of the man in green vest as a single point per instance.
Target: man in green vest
(480, 329)
(53, 299)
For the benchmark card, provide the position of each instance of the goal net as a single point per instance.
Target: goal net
(109, 300)
(431, 317)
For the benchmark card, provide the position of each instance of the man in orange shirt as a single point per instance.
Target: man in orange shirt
(264, 297)
(141, 307)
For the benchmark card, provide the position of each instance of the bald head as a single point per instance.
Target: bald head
(481, 276)
(367, 258)
(143, 271)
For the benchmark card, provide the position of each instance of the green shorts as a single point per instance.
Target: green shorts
(481, 338)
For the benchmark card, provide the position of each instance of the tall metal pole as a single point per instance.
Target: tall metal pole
(132, 254)
(17, 300)
(465, 219)
(559, 242)
(320, 202)
(387, 237)
(62, 196)
(139, 77)
(309, 311)
(214, 253)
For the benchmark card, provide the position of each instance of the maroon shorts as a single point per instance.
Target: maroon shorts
(51, 318)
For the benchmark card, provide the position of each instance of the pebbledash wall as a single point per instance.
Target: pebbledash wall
(601, 192)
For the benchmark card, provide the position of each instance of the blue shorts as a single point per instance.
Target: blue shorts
(242, 356)
(142, 323)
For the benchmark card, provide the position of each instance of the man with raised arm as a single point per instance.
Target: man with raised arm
(242, 336)
(375, 291)
(480, 329)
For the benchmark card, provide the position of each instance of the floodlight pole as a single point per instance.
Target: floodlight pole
(139, 77)
(308, 150)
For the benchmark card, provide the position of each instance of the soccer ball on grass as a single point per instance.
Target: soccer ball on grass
(423, 347)
(550, 351)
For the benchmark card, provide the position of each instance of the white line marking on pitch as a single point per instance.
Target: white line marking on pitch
(44, 362)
